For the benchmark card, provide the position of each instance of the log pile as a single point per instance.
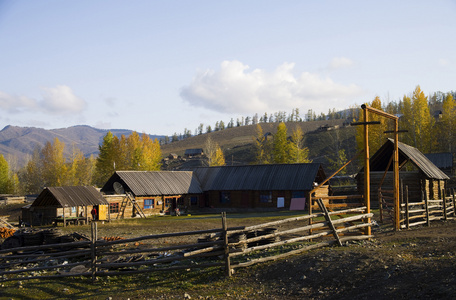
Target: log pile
(6, 232)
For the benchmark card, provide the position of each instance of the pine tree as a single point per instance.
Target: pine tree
(105, 164)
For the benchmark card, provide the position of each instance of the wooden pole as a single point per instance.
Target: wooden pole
(366, 168)
(445, 216)
(407, 216)
(225, 245)
(93, 250)
(454, 204)
(426, 205)
(396, 175)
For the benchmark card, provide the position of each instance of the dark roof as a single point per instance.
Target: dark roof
(289, 177)
(69, 196)
(197, 151)
(379, 161)
(441, 160)
(154, 183)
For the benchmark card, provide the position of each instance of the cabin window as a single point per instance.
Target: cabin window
(298, 194)
(194, 200)
(113, 207)
(168, 202)
(266, 197)
(225, 197)
(148, 203)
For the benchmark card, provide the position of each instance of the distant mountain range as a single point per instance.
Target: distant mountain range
(20, 142)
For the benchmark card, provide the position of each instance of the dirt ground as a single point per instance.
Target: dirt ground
(409, 264)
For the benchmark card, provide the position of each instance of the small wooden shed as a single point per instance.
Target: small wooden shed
(66, 204)
(417, 172)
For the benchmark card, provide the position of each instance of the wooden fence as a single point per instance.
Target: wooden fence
(226, 248)
(416, 213)
(427, 210)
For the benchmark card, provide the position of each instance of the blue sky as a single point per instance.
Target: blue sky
(162, 66)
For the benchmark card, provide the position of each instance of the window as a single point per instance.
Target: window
(113, 207)
(194, 200)
(224, 197)
(149, 203)
(266, 197)
(298, 194)
(168, 202)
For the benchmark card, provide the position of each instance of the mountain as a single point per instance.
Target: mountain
(20, 142)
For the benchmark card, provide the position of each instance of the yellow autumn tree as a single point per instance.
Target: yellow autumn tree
(447, 130)
(423, 121)
(262, 146)
(376, 132)
(54, 172)
(218, 159)
(299, 153)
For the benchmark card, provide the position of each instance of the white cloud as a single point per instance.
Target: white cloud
(16, 104)
(339, 63)
(444, 62)
(62, 100)
(237, 89)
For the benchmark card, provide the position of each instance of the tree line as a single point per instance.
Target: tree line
(48, 166)
(428, 123)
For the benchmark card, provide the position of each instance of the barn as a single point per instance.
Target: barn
(67, 204)
(417, 172)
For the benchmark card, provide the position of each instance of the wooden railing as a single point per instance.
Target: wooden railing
(226, 248)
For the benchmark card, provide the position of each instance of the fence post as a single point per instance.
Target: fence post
(225, 245)
(93, 249)
(426, 205)
(454, 204)
(407, 220)
(444, 204)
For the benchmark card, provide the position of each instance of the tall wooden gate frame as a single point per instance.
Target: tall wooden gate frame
(366, 123)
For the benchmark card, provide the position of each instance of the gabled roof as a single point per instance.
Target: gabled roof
(280, 177)
(283, 177)
(379, 161)
(69, 196)
(154, 183)
(441, 160)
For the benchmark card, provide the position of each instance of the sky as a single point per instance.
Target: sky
(161, 67)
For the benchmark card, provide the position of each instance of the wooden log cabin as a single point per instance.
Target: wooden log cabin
(267, 187)
(417, 172)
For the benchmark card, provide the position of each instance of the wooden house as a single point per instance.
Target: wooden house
(66, 204)
(417, 172)
(237, 187)
(153, 192)
(260, 186)
(193, 152)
